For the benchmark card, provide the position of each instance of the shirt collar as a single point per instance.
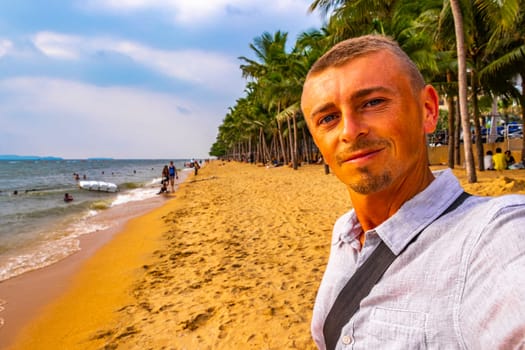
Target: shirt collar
(413, 216)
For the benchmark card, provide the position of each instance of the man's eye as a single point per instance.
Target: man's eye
(327, 119)
(374, 102)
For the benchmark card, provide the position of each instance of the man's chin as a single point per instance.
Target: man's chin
(368, 183)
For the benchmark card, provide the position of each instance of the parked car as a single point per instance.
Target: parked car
(516, 134)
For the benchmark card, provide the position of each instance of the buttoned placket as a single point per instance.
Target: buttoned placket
(372, 241)
(347, 338)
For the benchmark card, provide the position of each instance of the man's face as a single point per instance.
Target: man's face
(368, 123)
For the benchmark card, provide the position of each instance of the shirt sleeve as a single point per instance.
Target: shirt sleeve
(492, 308)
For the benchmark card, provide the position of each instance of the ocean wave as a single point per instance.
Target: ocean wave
(56, 245)
(48, 253)
(138, 194)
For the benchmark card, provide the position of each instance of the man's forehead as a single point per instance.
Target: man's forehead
(341, 62)
(352, 74)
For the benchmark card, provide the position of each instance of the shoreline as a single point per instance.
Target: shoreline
(25, 295)
(233, 262)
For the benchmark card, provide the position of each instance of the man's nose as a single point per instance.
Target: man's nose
(352, 126)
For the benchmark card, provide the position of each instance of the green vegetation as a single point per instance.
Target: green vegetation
(267, 121)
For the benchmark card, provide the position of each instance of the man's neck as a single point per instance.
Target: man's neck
(374, 209)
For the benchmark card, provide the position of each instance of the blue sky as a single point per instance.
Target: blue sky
(128, 78)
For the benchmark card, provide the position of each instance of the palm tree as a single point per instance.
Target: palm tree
(462, 81)
(267, 73)
(279, 77)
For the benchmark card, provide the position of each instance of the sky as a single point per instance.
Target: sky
(128, 78)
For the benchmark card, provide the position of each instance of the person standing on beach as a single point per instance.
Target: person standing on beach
(196, 167)
(173, 175)
(456, 277)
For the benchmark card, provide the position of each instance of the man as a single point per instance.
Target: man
(460, 284)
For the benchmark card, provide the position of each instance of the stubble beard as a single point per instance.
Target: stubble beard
(369, 183)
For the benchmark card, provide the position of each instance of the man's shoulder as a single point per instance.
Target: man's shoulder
(498, 221)
(479, 209)
(494, 220)
(502, 202)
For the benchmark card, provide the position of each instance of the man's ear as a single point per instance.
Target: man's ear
(430, 99)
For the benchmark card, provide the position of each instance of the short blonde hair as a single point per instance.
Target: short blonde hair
(351, 48)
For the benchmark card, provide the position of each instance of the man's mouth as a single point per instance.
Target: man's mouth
(362, 155)
(361, 151)
(359, 156)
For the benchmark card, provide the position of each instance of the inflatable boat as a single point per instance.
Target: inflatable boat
(101, 186)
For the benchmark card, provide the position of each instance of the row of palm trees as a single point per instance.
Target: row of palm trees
(470, 50)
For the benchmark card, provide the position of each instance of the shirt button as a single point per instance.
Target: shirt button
(347, 339)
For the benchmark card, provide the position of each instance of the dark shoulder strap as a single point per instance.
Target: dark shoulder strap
(361, 283)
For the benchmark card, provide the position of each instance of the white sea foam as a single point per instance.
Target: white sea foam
(137, 194)
(46, 254)
(82, 227)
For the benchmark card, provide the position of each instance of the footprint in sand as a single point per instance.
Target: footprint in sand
(198, 320)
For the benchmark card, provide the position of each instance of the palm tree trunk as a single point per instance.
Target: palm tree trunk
(250, 145)
(264, 147)
(257, 152)
(294, 151)
(457, 140)
(451, 124)
(306, 148)
(477, 124)
(290, 141)
(273, 147)
(281, 142)
(462, 80)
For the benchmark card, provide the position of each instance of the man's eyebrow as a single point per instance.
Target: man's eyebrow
(365, 92)
(322, 108)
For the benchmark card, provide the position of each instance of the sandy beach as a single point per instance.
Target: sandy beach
(231, 261)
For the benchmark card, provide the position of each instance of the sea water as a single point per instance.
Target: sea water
(38, 228)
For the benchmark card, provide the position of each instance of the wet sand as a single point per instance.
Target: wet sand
(232, 261)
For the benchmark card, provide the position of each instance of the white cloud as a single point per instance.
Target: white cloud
(191, 13)
(207, 69)
(58, 45)
(5, 47)
(183, 11)
(72, 119)
(201, 67)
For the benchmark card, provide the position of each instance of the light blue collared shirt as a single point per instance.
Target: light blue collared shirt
(460, 285)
